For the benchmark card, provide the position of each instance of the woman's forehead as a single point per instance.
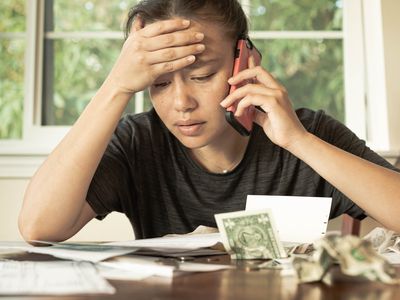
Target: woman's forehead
(210, 28)
(216, 40)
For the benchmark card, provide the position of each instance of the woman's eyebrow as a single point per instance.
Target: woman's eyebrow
(202, 62)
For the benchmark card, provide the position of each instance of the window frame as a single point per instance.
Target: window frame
(38, 141)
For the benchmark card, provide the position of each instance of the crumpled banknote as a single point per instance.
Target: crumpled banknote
(384, 240)
(355, 256)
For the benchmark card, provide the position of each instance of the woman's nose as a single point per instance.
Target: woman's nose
(184, 99)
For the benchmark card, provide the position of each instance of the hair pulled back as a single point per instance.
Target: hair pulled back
(228, 13)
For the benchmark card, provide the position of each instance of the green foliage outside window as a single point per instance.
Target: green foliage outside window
(311, 70)
(298, 15)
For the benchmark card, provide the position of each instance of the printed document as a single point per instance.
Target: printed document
(51, 278)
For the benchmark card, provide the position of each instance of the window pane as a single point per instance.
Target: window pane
(74, 71)
(311, 70)
(90, 15)
(296, 15)
(147, 105)
(12, 15)
(11, 87)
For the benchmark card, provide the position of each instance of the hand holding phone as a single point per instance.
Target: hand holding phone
(244, 123)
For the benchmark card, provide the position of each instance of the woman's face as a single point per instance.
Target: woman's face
(187, 101)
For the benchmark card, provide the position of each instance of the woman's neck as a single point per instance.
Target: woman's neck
(222, 157)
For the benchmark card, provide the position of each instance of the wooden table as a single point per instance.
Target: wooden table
(238, 283)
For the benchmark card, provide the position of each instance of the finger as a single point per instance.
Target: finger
(247, 89)
(259, 73)
(172, 66)
(175, 39)
(267, 104)
(175, 53)
(254, 100)
(252, 62)
(163, 27)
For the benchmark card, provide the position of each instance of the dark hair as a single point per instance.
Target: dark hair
(228, 13)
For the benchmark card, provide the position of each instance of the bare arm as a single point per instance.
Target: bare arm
(372, 187)
(55, 206)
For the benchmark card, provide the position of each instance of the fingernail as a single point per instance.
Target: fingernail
(185, 22)
(230, 80)
(191, 58)
(223, 102)
(200, 47)
(199, 36)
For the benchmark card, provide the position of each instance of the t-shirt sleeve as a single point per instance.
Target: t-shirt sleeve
(110, 186)
(337, 134)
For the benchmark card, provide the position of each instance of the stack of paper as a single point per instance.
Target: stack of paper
(154, 266)
(81, 276)
(51, 278)
(176, 245)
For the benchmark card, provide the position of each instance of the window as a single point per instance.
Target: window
(54, 55)
(78, 41)
(301, 42)
(12, 51)
(81, 43)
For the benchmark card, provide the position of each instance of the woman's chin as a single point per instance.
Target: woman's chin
(193, 142)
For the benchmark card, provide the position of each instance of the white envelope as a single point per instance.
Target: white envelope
(298, 219)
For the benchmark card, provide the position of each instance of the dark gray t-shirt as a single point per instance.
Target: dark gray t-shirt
(148, 175)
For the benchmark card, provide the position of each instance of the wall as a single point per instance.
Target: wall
(382, 63)
(115, 227)
(391, 44)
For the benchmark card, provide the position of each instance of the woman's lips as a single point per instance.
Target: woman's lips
(190, 128)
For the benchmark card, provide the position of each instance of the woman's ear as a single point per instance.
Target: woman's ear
(137, 24)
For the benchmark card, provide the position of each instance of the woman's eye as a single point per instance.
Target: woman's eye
(161, 84)
(203, 78)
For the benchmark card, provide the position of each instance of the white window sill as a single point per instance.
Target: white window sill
(21, 159)
(19, 166)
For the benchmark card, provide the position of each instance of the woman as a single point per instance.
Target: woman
(174, 167)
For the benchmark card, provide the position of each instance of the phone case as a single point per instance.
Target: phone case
(244, 123)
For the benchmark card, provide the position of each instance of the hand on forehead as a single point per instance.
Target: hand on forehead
(215, 37)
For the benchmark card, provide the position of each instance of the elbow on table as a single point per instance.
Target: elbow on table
(34, 230)
(28, 231)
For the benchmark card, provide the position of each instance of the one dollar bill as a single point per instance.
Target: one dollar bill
(250, 235)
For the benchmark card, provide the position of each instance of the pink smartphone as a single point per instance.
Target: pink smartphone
(244, 123)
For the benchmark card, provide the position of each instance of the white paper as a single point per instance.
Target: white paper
(392, 257)
(181, 245)
(114, 273)
(298, 219)
(148, 265)
(174, 242)
(73, 251)
(199, 267)
(155, 266)
(51, 278)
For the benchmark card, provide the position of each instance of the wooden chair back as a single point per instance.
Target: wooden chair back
(350, 225)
